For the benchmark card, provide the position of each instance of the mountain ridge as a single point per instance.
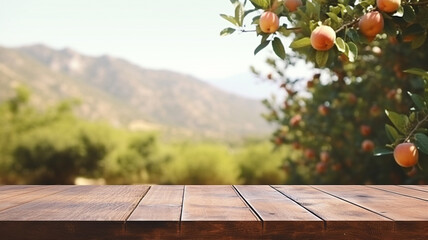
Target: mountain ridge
(116, 89)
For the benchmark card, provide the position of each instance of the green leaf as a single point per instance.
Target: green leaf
(263, 4)
(265, 36)
(283, 30)
(227, 31)
(353, 35)
(391, 133)
(418, 101)
(417, 71)
(230, 19)
(349, 11)
(303, 42)
(353, 51)
(239, 14)
(409, 13)
(419, 41)
(333, 17)
(334, 9)
(279, 9)
(278, 48)
(412, 116)
(340, 44)
(422, 142)
(261, 46)
(313, 9)
(381, 151)
(400, 121)
(359, 9)
(256, 20)
(321, 58)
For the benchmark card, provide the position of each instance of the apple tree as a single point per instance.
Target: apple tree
(366, 57)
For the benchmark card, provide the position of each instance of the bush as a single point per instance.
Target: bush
(200, 163)
(260, 164)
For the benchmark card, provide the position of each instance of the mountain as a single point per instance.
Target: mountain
(127, 94)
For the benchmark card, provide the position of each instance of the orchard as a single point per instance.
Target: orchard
(363, 116)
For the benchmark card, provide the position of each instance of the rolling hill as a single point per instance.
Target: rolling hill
(123, 93)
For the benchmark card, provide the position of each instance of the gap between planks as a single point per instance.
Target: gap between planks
(316, 215)
(253, 211)
(343, 199)
(136, 205)
(182, 206)
(401, 193)
(413, 187)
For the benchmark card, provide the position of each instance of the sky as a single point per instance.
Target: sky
(181, 36)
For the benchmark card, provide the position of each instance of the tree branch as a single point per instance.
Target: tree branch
(356, 20)
(415, 128)
(288, 29)
(246, 30)
(348, 24)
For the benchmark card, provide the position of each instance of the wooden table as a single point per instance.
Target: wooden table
(213, 212)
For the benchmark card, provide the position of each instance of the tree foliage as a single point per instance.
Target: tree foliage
(53, 146)
(335, 121)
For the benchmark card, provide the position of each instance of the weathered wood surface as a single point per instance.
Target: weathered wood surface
(214, 212)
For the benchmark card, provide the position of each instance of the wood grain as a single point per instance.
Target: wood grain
(423, 188)
(161, 203)
(393, 206)
(30, 194)
(210, 212)
(157, 216)
(79, 212)
(80, 203)
(281, 216)
(341, 218)
(404, 191)
(409, 214)
(15, 190)
(213, 212)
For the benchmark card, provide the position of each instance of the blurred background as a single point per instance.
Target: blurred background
(147, 92)
(122, 93)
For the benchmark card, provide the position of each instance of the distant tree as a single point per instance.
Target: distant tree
(52, 146)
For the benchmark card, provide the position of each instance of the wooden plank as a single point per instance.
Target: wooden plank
(282, 217)
(341, 218)
(157, 216)
(394, 206)
(417, 187)
(89, 212)
(409, 214)
(326, 206)
(28, 195)
(212, 212)
(14, 190)
(404, 191)
(161, 203)
(77, 203)
(208, 212)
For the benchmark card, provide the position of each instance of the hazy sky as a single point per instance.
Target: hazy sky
(170, 34)
(179, 35)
